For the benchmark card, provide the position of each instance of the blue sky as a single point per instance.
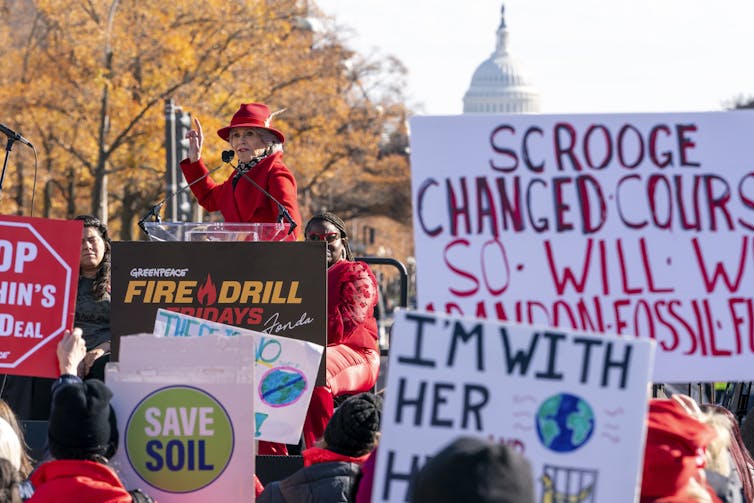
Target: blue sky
(583, 56)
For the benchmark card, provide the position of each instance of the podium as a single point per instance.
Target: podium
(216, 231)
(240, 274)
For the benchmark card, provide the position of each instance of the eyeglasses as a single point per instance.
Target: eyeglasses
(325, 236)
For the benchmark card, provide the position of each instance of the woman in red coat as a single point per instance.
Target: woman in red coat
(237, 198)
(353, 356)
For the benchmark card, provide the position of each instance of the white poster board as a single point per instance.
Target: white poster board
(285, 371)
(634, 224)
(185, 417)
(572, 403)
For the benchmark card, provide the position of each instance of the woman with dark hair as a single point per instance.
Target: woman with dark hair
(93, 298)
(259, 148)
(353, 356)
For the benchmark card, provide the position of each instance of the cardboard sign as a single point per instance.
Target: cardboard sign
(571, 402)
(185, 417)
(39, 264)
(284, 370)
(270, 287)
(635, 224)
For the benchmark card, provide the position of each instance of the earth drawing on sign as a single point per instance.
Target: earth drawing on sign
(565, 422)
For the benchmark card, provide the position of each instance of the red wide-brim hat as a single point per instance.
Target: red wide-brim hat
(251, 115)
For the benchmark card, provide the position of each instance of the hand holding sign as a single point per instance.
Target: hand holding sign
(71, 351)
(39, 261)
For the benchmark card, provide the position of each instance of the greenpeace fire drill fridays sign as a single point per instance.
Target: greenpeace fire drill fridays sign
(39, 260)
(639, 225)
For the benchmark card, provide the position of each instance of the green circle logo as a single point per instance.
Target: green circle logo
(179, 439)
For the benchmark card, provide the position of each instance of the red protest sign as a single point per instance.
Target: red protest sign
(39, 263)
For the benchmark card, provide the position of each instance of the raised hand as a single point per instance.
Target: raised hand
(195, 138)
(71, 352)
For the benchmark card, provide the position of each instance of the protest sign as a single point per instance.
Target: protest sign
(284, 370)
(570, 402)
(185, 416)
(271, 287)
(635, 224)
(39, 263)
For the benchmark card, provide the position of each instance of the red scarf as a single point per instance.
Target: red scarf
(315, 455)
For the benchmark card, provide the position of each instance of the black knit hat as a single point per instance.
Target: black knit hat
(355, 426)
(473, 469)
(82, 422)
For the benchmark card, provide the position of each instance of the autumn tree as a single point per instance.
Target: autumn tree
(89, 80)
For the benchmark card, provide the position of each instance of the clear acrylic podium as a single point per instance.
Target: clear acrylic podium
(216, 231)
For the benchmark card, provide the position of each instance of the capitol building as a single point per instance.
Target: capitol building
(500, 84)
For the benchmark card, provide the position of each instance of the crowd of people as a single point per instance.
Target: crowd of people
(693, 453)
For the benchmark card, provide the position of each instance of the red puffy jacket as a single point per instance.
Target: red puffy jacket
(79, 481)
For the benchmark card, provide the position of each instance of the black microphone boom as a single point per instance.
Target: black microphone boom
(14, 136)
(282, 210)
(154, 211)
(244, 168)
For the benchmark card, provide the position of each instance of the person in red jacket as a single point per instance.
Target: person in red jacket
(352, 355)
(257, 146)
(332, 467)
(82, 436)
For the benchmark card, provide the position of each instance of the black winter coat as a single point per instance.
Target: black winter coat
(333, 482)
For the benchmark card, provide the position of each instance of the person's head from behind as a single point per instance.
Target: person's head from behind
(10, 444)
(354, 428)
(250, 134)
(474, 469)
(734, 448)
(674, 455)
(8, 415)
(95, 249)
(82, 423)
(329, 228)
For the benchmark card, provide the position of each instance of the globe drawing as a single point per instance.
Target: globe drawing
(565, 422)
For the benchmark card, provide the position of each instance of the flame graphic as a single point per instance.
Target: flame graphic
(207, 293)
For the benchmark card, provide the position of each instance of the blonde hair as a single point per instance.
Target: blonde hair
(718, 458)
(10, 445)
(696, 492)
(27, 464)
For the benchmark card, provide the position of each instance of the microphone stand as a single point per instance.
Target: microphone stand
(282, 211)
(8, 147)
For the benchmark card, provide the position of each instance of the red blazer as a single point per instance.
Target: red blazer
(351, 297)
(245, 202)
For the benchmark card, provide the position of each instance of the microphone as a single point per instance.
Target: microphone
(13, 136)
(154, 211)
(244, 168)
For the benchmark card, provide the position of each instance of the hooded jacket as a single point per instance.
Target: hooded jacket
(327, 477)
(77, 480)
